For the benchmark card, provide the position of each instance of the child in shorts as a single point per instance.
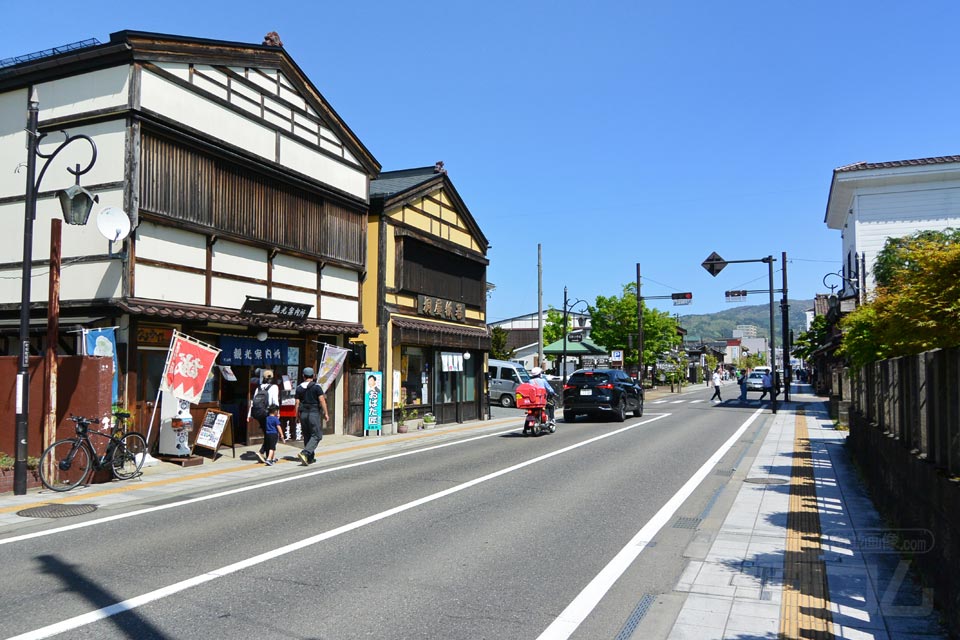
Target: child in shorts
(271, 434)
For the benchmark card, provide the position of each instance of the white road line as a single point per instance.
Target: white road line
(678, 401)
(578, 610)
(163, 592)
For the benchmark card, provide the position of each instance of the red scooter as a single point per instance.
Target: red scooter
(533, 399)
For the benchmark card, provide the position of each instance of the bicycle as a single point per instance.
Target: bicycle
(67, 462)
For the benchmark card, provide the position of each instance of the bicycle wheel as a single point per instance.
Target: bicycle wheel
(65, 464)
(128, 456)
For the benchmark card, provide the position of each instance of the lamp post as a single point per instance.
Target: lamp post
(76, 204)
(566, 310)
(714, 264)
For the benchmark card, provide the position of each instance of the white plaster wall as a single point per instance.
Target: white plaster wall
(167, 244)
(13, 141)
(287, 295)
(231, 294)
(155, 283)
(308, 162)
(294, 271)
(91, 91)
(239, 259)
(81, 281)
(340, 280)
(339, 309)
(193, 110)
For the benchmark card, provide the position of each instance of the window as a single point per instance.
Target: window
(414, 376)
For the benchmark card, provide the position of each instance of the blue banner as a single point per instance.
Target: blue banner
(373, 401)
(103, 342)
(237, 351)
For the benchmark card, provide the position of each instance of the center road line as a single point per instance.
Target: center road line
(577, 611)
(163, 592)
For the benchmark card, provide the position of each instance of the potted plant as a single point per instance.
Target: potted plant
(402, 415)
(429, 420)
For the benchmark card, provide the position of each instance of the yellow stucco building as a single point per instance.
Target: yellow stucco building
(424, 298)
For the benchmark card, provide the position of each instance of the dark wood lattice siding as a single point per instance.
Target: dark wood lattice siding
(187, 185)
(433, 272)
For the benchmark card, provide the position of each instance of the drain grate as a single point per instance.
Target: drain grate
(631, 624)
(57, 510)
(724, 472)
(686, 523)
(767, 480)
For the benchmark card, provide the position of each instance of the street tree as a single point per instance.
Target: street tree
(918, 306)
(553, 326)
(812, 339)
(614, 318)
(498, 344)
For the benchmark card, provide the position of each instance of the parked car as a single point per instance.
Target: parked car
(755, 381)
(505, 377)
(597, 392)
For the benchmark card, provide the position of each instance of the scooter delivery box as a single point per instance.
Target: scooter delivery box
(531, 396)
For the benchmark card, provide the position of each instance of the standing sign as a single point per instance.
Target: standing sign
(373, 402)
(210, 436)
(616, 357)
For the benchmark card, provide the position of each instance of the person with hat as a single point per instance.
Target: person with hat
(266, 394)
(536, 377)
(310, 403)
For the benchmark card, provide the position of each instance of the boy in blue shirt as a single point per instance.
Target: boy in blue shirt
(271, 434)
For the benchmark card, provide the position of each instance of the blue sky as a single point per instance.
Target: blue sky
(612, 133)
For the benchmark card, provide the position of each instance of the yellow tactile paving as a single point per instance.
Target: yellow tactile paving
(805, 608)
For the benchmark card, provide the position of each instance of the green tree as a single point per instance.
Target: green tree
(553, 326)
(614, 318)
(498, 344)
(918, 307)
(812, 339)
(895, 257)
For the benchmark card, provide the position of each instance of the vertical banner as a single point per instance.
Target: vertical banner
(103, 342)
(189, 362)
(331, 365)
(373, 401)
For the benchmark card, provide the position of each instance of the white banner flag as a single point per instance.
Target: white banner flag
(331, 365)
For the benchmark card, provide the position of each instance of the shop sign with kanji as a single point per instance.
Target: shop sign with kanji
(440, 308)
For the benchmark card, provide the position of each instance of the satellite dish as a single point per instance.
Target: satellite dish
(113, 224)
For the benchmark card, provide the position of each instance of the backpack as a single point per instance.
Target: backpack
(259, 404)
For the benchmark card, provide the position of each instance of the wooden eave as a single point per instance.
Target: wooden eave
(158, 47)
(380, 204)
(127, 47)
(403, 230)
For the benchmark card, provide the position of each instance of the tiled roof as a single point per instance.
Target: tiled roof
(390, 182)
(863, 166)
(440, 327)
(205, 314)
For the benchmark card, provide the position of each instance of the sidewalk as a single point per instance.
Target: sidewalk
(802, 552)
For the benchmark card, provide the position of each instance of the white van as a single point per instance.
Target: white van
(505, 377)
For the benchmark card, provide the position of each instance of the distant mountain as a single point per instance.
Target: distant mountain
(720, 325)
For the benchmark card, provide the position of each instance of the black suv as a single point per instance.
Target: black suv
(601, 391)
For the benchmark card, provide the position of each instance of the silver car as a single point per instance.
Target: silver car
(755, 381)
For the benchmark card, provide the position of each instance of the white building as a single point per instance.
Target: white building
(870, 202)
(245, 191)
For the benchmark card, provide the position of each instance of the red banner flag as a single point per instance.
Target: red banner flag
(188, 364)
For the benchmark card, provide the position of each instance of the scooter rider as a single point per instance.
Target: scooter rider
(536, 377)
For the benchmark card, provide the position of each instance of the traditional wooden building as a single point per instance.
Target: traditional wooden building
(246, 192)
(425, 318)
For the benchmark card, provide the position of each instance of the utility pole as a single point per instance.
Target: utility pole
(540, 305)
(785, 318)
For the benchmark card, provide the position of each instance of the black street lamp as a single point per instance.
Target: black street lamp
(76, 204)
(714, 264)
(567, 306)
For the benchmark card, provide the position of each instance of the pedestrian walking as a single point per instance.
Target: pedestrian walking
(767, 385)
(267, 393)
(716, 386)
(310, 403)
(742, 381)
(271, 434)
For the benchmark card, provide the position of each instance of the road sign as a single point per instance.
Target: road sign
(616, 356)
(714, 264)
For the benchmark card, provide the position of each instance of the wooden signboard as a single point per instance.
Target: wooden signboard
(215, 432)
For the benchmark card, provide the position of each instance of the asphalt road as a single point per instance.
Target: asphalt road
(491, 535)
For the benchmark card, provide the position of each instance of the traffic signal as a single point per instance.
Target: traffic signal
(736, 293)
(682, 296)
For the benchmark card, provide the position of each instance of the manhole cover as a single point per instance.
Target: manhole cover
(58, 510)
(767, 480)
